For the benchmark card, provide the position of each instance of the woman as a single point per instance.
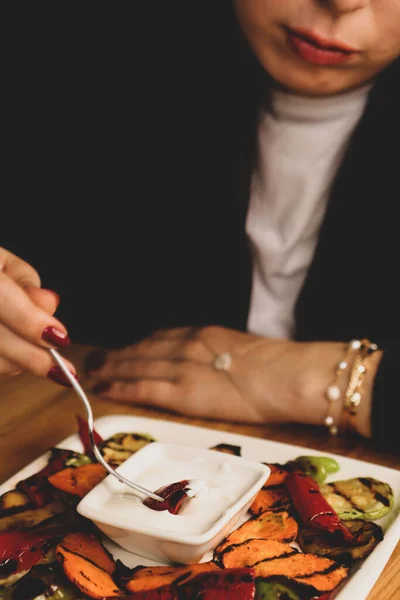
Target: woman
(282, 165)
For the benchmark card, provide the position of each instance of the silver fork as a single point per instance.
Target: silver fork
(85, 401)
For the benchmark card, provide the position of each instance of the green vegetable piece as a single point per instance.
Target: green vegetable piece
(41, 584)
(359, 498)
(317, 467)
(266, 590)
(78, 460)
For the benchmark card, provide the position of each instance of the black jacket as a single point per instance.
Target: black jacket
(129, 160)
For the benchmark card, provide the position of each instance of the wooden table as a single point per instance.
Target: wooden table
(37, 414)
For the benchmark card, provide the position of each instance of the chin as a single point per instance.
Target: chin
(326, 82)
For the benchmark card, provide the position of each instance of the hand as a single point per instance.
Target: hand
(27, 326)
(270, 380)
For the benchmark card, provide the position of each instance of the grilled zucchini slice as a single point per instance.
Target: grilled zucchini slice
(359, 498)
(119, 447)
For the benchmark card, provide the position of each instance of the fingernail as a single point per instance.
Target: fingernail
(95, 360)
(56, 374)
(51, 335)
(101, 387)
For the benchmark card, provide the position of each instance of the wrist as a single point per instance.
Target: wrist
(322, 361)
(362, 422)
(311, 406)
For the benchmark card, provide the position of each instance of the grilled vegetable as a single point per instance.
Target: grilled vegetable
(272, 525)
(359, 498)
(44, 585)
(313, 508)
(21, 550)
(80, 480)
(175, 497)
(316, 467)
(229, 584)
(37, 487)
(275, 590)
(251, 552)
(369, 535)
(141, 581)
(12, 502)
(320, 574)
(228, 449)
(270, 498)
(30, 518)
(121, 446)
(168, 592)
(88, 565)
(277, 476)
(7, 581)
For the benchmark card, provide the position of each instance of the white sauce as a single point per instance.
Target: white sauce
(224, 485)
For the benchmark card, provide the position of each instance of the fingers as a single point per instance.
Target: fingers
(141, 369)
(163, 394)
(9, 368)
(17, 269)
(162, 348)
(24, 355)
(47, 300)
(23, 317)
(174, 333)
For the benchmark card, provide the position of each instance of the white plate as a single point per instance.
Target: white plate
(360, 583)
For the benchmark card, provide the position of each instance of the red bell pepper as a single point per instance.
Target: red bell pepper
(224, 584)
(83, 430)
(21, 550)
(174, 495)
(313, 508)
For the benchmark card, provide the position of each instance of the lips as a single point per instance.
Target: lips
(317, 50)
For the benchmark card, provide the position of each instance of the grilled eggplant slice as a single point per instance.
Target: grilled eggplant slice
(13, 501)
(359, 498)
(119, 447)
(369, 534)
(30, 518)
(228, 449)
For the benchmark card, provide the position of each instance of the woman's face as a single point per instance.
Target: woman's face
(320, 47)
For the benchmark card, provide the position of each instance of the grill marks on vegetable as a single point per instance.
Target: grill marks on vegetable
(359, 498)
(274, 525)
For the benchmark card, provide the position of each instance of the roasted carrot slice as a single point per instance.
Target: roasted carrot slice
(79, 480)
(271, 525)
(176, 576)
(277, 476)
(322, 574)
(251, 552)
(143, 571)
(88, 577)
(89, 546)
(270, 499)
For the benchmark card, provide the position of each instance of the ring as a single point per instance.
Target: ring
(222, 362)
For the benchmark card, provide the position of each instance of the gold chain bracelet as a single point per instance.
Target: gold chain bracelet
(333, 393)
(353, 394)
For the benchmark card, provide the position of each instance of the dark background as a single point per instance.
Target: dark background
(118, 184)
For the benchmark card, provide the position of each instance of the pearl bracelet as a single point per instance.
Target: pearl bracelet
(333, 393)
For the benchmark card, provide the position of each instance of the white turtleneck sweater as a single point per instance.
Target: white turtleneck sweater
(300, 148)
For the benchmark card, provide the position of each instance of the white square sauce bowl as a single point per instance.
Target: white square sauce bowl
(231, 483)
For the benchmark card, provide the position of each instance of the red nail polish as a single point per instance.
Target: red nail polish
(51, 335)
(101, 387)
(56, 374)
